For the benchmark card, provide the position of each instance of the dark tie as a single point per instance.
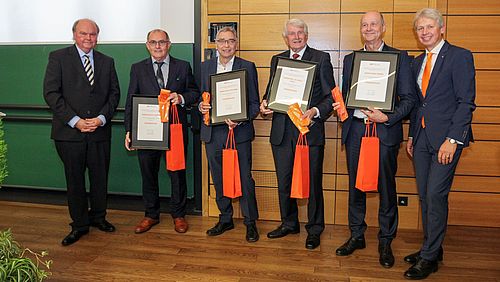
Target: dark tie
(88, 69)
(295, 56)
(159, 75)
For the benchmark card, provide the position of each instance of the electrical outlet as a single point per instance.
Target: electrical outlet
(403, 201)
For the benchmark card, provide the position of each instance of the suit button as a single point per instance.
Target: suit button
(424, 104)
(88, 112)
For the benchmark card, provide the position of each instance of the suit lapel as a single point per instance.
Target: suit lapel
(236, 64)
(416, 70)
(150, 72)
(77, 62)
(172, 70)
(97, 65)
(438, 66)
(307, 54)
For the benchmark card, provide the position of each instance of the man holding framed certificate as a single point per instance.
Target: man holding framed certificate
(284, 135)
(147, 78)
(223, 90)
(390, 132)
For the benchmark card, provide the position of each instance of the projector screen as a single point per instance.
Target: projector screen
(127, 21)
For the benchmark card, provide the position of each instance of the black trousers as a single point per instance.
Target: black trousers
(78, 157)
(434, 182)
(149, 162)
(248, 202)
(388, 208)
(283, 160)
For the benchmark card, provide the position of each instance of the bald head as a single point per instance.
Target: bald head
(372, 28)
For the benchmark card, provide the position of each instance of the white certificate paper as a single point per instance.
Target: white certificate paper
(292, 84)
(228, 97)
(372, 81)
(149, 125)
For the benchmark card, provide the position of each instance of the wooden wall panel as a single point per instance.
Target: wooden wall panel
(487, 85)
(486, 115)
(409, 6)
(223, 7)
(361, 6)
(489, 61)
(404, 36)
(474, 32)
(474, 209)
(262, 154)
(260, 58)
(262, 32)
(483, 184)
(478, 7)
(486, 132)
(264, 6)
(481, 159)
(317, 6)
(329, 164)
(323, 30)
(350, 37)
(263, 76)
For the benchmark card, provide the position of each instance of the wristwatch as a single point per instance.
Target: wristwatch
(452, 141)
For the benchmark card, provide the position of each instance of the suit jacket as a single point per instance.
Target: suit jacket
(449, 101)
(321, 97)
(68, 93)
(390, 133)
(244, 131)
(143, 82)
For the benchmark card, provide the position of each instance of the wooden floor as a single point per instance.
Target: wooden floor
(471, 254)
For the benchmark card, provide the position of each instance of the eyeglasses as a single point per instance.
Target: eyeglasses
(224, 41)
(162, 43)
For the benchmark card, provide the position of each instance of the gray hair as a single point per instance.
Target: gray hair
(382, 21)
(428, 13)
(296, 23)
(227, 29)
(73, 29)
(158, 30)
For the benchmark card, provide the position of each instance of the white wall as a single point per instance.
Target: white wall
(50, 21)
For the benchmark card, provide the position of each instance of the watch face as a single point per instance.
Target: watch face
(453, 141)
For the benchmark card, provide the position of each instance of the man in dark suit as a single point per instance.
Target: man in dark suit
(147, 77)
(440, 128)
(390, 133)
(82, 90)
(284, 135)
(215, 136)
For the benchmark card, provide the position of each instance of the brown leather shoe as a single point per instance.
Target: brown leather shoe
(181, 225)
(146, 224)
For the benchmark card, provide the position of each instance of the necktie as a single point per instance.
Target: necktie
(425, 78)
(159, 75)
(88, 69)
(295, 56)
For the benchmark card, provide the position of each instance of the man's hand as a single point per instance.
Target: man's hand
(175, 98)
(375, 115)
(127, 142)
(88, 125)
(230, 123)
(310, 114)
(204, 107)
(446, 152)
(264, 111)
(409, 147)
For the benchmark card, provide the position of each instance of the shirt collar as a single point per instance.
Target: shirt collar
(81, 53)
(379, 48)
(436, 49)
(228, 64)
(166, 60)
(301, 53)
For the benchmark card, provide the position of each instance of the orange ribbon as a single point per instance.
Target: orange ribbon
(164, 104)
(337, 97)
(206, 99)
(295, 114)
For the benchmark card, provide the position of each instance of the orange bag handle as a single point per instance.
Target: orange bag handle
(175, 114)
(373, 131)
(302, 140)
(230, 143)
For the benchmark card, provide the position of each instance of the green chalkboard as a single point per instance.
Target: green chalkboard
(32, 159)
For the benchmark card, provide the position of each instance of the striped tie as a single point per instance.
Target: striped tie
(88, 69)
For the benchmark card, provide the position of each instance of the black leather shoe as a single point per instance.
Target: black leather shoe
(252, 233)
(73, 236)
(220, 228)
(103, 226)
(421, 269)
(413, 258)
(282, 231)
(350, 246)
(386, 258)
(312, 241)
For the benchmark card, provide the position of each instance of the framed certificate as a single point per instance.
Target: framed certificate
(291, 83)
(373, 80)
(148, 132)
(229, 96)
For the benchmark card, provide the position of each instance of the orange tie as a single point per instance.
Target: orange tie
(425, 78)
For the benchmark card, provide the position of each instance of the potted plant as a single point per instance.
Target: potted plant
(16, 264)
(3, 153)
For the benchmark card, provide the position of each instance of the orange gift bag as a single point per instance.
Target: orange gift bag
(231, 182)
(175, 156)
(368, 165)
(300, 176)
